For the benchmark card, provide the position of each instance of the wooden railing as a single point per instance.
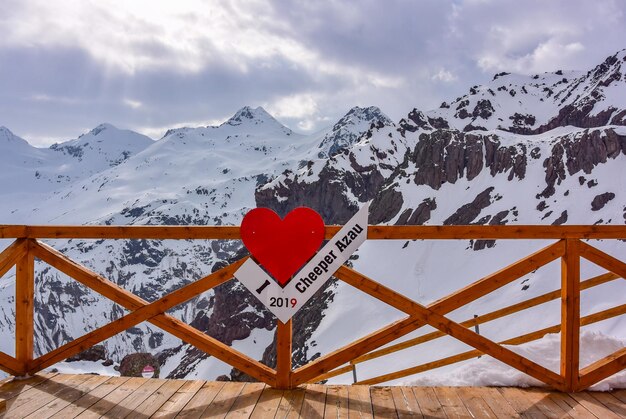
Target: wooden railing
(569, 248)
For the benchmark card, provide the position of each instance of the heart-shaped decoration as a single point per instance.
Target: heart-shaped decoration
(282, 246)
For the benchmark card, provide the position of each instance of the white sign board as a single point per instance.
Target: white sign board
(285, 302)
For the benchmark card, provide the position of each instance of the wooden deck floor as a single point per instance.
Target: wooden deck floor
(87, 396)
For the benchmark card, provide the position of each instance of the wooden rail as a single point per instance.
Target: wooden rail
(569, 248)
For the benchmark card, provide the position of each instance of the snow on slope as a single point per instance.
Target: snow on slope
(539, 103)
(487, 371)
(29, 173)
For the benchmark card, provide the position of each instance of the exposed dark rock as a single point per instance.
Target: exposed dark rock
(95, 353)
(326, 195)
(386, 206)
(541, 206)
(498, 219)
(468, 212)
(420, 120)
(133, 364)
(561, 220)
(418, 216)
(470, 127)
(599, 201)
(581, 153)
(438, 123)
(522, 123)
(500, 75)
(483, 109)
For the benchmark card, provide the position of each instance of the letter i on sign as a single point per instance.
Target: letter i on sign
(262, 287)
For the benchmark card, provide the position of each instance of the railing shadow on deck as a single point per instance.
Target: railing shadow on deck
(569, 247)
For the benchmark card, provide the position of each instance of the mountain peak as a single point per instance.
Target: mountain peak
(102, 127)
(370, 114)
(7, 136)
(250, 114)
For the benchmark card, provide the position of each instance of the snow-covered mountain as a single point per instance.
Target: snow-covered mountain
(544, 149)
(29, 173)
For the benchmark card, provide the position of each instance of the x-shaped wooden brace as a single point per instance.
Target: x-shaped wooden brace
(141, 310)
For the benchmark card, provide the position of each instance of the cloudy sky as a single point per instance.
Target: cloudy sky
(146, 65)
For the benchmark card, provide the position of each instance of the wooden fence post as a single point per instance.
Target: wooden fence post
(24, 309)
(570, 314)
(283, 355)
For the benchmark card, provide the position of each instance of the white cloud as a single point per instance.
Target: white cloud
(444, 76)
(294, 106)
(133, 104)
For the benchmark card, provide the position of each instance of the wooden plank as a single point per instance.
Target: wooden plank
(110, 400)
(291, 404)
(570, 315)
(201, 399)
(10, 365)
(405, 402)
(91, 398)
(247, 399)
(593, 405)
(143, 313)
(605, 260)
(68, 396)
(360, 402)
(620, 395)
(495, 232)
(127, 405)
(374, 232)
(12, 231)
(12, 388)
(336, 402)
(148, 407)
(177, 402)
(314, 400)
(472, 398)
(283, 354)
(569, 405)
(522, 405)
(24, 308)
(541, 399)
(223, 401)
(37, 397)
(268, 403)
(451, 403)
(428, 402)
(9, 256)
(164, 321)
(382, 403)
(611, 402)
(121, 232)
(497, 403)
(602, 369)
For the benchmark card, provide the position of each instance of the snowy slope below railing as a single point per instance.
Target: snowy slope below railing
(487, 371)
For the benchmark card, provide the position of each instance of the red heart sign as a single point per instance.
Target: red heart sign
(282, 246)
